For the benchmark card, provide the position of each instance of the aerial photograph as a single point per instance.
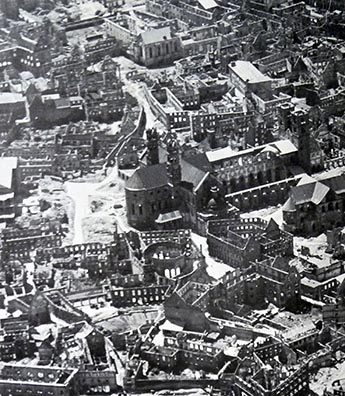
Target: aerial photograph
(172, 197)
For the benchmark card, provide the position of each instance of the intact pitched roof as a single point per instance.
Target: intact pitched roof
(156, 35)
(300, 64)
(192, 174)
(336, 184)
(313, 192)
(280, 147)
(199, 161)
(150, 177)
(272, 226)
(284, 146)
(310, 282)
(306, 179)
(248, 72)
(47, 344)
(155, 176)
(62, 103)
(221, 154)
(208, 4)
(170, 216)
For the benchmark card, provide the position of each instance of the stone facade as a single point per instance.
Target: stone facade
(52, 381)
(314, 206)
(155, 47)
(238, 242)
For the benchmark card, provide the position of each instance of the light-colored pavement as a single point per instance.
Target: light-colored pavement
(80, 192)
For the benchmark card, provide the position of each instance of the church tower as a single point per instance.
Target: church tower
(111, 73)
(152, 146)
(300, 131)
(173, 161)
(284, 116)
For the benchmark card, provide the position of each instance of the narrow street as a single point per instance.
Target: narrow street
(79, 191)
(136, 88)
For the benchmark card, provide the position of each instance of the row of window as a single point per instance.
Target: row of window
(160, 50)
(139, 292)
(154, 207)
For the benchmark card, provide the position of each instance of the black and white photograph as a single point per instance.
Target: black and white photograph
(172, 197)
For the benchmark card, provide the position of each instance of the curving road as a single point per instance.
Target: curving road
(79, 191)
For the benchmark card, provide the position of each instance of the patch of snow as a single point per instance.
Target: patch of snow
(88, 9)
(215, 268)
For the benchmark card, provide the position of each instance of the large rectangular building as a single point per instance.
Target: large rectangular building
(245, 76)
(18, 380)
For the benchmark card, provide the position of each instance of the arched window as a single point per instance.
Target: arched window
(260, 178)
(241, 183)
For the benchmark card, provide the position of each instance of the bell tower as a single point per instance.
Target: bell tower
(301, 136)
(152, 146)
(173, 161)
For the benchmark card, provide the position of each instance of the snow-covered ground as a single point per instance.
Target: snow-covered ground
(99, 314)
(80, 193)
(4, 314)
(88, 8)
(215, 268)
(325, 377)
(100, 224)
(316, 245)
(30, 269)
(110, 191)
(136, 88)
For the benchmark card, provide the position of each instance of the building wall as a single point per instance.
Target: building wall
(248, 171)
(88, 379)
(334, 313)
(35, 381)
(120, 33)
(236, 256)
(144, 206)
(9, 388)
(181, 11)
(279, 286)
(239, 242)
(132, 296)
(261, 196)
(309, 219)
(158, 53)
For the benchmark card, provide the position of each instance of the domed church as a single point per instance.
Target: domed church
(174, 193)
